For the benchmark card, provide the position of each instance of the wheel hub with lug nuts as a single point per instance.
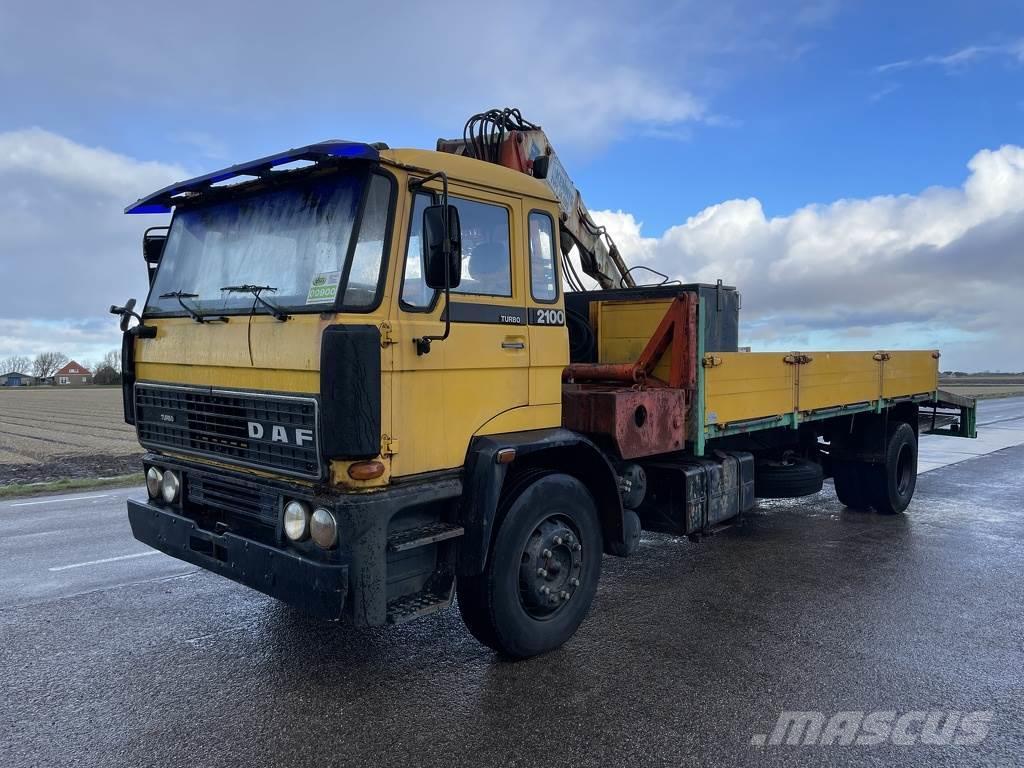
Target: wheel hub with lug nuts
(551, 565)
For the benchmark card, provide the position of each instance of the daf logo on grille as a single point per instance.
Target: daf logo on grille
(279, 433)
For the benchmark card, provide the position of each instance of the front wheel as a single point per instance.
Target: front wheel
(542, 570)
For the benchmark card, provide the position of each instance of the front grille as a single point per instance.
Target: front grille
(267, 431)
(218, 495)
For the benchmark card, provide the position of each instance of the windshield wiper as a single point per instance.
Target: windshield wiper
(194, 313)
(256, 290)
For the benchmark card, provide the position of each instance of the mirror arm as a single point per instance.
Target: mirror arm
(141, 330)
(423, 342)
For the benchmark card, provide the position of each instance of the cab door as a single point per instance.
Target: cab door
(444, 397)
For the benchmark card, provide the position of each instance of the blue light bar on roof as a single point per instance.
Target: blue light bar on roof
(162, 202)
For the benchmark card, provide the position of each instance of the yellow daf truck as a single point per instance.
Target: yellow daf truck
(370, 379)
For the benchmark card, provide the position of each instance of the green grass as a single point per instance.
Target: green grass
(16, 490)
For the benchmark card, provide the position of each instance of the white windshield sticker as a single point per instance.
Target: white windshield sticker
(324, 288)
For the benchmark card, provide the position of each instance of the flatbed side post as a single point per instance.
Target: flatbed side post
(968, 421)
(698, 410)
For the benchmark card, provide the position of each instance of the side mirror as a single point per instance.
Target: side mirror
(153, 243)
(442, 245)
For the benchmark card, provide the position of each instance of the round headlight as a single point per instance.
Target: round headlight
(323, 528)
(296, 520)
(154, 478)
(170, 486)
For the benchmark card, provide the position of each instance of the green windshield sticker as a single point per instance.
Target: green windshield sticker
(324, 288)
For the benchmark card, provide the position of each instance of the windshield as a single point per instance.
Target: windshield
(296, 239)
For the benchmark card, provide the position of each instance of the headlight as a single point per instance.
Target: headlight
(296, 520)
(323, 528)
(170, 486)
(154, 478)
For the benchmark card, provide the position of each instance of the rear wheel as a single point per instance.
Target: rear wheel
(542, 570)
(851, 483)
(891, 484)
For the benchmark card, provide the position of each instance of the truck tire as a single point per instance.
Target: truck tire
(787, 478)
(851, 483)
(891, 484)
(542, 571)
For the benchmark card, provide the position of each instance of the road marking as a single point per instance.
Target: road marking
(57, 501)
(105, 560)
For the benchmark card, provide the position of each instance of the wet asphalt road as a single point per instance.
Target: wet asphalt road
(690, 650)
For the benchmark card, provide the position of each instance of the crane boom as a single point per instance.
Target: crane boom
(504, 137)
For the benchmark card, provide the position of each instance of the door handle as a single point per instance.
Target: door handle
(513, 345)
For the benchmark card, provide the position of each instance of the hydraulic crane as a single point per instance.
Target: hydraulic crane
(504, 137)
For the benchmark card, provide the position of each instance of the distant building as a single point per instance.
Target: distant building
(72, 375)
(15, 379)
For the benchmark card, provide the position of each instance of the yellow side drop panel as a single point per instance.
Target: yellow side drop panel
(625, 327)
(909, 373)
(838, 378)
(742, 386)
(748, 385)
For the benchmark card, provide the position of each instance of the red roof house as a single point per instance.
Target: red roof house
(72, 375)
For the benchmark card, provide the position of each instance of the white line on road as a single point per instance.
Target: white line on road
(57, 501)
(105, 560)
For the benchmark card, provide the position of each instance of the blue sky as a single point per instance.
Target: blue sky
(662, 112)
(808, 119)
(825, 125)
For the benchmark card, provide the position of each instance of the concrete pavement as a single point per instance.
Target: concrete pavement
(1000, 425)
(57, 546)
(112, 656)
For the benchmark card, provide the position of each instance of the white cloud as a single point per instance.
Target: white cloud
(46, 155)
(942, 267)
(83, 340)
(67, 251)
(937, 268)
(590, 73)
(960, 58)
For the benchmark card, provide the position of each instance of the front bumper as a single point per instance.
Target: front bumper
(317, 588)
(355, 582)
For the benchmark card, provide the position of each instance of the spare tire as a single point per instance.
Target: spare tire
(787, 478)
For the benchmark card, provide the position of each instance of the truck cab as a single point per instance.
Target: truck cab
(306, 393)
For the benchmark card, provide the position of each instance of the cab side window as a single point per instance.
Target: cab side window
(486, 256)
(415, 293)
(543, 278)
